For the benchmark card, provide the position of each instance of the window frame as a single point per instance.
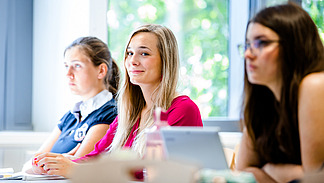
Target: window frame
(16, 31)
(237, 26)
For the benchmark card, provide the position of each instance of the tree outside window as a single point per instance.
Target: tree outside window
(315, 8)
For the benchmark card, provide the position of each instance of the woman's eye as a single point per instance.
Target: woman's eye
(129, 53)
(77, 66)
(261, 43)
(145, 54)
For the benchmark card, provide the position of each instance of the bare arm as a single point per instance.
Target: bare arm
(94, 134)
(50, 141)
(46, 147)
(311, 121)
(248, 160)
(284, 172)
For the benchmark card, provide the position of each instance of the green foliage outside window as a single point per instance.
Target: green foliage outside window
(315, 8)
(201, 27)
(123, 16)
(205, 55)
(316, 11)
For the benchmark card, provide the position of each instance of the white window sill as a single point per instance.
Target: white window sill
(22, 138)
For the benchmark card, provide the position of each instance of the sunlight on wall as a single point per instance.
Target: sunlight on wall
(56, 24)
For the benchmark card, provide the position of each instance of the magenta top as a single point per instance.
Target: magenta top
(182, 112)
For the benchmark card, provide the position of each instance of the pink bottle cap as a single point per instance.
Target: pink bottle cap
(160, 115)
(164, 116)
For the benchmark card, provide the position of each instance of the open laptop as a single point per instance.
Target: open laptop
(200, 145)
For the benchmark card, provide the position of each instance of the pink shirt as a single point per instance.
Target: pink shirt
(182, 112)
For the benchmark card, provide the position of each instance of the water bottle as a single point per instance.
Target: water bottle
(154, 143)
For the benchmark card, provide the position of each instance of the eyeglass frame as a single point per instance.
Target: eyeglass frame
(256, 44)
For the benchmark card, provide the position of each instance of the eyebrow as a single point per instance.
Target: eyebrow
(141, 47)
(261, 36)
(258, 37)
(72, 61)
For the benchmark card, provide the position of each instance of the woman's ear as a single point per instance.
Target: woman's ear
(102, 71)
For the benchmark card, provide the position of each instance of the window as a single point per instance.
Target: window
(203, 29)
(315, 8)
(257, 5)
(16, 69)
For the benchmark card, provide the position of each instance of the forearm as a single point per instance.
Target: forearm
(295, 173)
(86, 158)
(260, 175)
(284, 172)
(248, 159)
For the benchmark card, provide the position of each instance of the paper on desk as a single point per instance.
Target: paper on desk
(30, 177)
(6, 172)
(12, 176)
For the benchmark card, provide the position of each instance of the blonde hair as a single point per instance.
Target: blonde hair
(130, 98)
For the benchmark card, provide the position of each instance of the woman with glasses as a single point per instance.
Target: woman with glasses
(283, 105)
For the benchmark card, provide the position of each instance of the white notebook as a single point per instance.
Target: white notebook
(31, 177)
(200, 145)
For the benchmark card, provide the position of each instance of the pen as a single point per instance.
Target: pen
(5, 175)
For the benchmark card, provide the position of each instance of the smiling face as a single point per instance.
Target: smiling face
(262, 64)
(143, 61)
(84, 78)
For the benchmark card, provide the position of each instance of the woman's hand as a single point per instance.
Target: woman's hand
(283, 172)
(36, 169)
(55, 164)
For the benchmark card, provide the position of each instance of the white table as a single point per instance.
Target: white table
(37, 181)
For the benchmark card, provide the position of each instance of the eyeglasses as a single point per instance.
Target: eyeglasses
(255, 46)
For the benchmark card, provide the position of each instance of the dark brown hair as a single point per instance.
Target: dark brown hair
(272, 124)
(99, 53)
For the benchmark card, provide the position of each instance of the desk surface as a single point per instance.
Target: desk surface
(36, 181)
(44, 181)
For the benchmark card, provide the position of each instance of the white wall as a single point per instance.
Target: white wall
(18, 147)
(56, 24)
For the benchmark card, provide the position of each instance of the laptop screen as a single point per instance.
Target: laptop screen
(200, 145)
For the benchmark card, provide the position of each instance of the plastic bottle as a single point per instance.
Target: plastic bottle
(154, 143)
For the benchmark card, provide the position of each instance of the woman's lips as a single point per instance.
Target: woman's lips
(71, 84)
(251, 67)
(136, 71)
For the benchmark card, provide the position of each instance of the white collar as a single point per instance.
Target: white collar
(94, 103)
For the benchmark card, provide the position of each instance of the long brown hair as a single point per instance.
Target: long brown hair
(272, 124)
(97, 51)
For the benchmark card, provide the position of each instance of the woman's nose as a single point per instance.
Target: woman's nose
(134, 60)
(249, 53)
(69, 73)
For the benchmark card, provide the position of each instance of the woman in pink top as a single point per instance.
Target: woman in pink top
(151, 66)
(182, 112)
